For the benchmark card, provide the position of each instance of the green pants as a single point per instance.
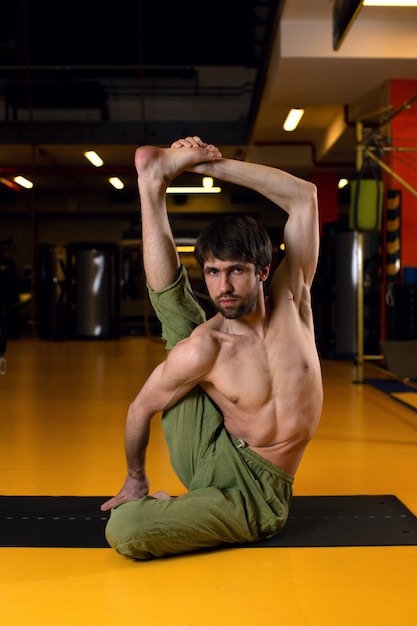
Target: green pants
(234, 495)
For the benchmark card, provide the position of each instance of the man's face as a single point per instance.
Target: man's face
(233, 286)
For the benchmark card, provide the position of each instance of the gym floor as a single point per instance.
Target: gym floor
(62, 415)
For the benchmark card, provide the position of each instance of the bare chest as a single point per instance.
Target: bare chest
(269, 385)
(242, 373)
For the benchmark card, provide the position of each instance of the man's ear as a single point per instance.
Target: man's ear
(264, 273)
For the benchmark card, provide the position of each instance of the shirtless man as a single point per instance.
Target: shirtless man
(241, 393)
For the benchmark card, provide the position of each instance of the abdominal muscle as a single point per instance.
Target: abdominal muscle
(280, 436)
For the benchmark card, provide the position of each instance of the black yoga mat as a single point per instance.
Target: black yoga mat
(52, 521)
(314, 521)
(331, 521)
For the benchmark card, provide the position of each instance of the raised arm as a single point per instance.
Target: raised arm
(295, 196)
(301, 239)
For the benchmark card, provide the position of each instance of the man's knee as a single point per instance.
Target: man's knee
(126, 534)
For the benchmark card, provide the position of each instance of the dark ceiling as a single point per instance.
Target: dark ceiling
(91, 33)
(86, 75)
(83, 56)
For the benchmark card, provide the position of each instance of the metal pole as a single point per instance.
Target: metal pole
(385, 167)
(359, 271)
(360, 311)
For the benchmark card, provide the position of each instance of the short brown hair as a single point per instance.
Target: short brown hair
(231, 238)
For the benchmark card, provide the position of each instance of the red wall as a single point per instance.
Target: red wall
(404, 135)
(326, 183)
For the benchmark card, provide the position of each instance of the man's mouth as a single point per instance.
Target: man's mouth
(227, 301)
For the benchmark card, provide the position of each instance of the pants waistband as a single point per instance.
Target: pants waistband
(248, 453)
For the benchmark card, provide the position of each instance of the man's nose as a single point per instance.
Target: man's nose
(225, 284)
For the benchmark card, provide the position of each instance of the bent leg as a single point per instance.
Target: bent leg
(235, 497)
(149, 528)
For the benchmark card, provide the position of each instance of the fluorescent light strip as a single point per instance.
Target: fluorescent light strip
(293, 119)
(184, 190)
(23, 182)
(116, 182)
(94, 158)
(390, 3)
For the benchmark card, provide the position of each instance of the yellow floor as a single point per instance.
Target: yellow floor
(62, 413)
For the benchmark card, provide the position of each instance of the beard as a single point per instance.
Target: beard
(240, 306)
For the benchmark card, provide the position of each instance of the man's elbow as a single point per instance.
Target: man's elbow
(310, 200)
(311, 194)
(306, 196)
(141, 411)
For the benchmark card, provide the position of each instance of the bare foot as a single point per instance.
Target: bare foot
(164, 164)
(163, 495)
(160, 495)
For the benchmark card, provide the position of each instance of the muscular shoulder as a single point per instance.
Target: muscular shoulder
(192, 358)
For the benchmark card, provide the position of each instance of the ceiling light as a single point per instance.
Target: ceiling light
(116, 182)
(342, 183)
(390, 3)
(207, 182)
(194, 190)
(293, 119)
(94, 158)
(23, 182)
